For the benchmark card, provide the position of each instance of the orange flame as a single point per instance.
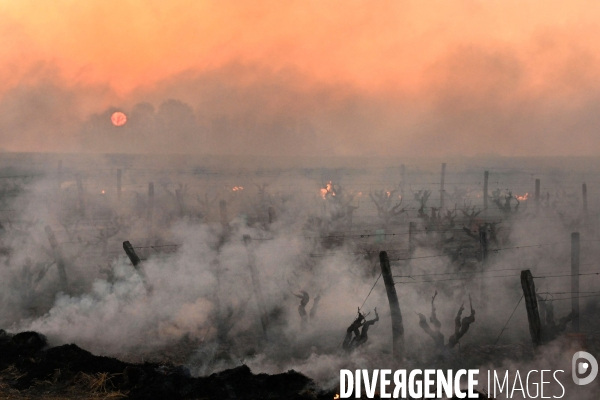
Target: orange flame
(327, 189)
(337, 396)
(102, 191)
(237, 188)
(522, 198)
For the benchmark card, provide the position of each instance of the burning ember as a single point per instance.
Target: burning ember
(237, 188)
(327, 189)
(522, 198)
(337, 396)
(102, 191)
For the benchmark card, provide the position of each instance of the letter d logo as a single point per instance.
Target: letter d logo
(579, 367)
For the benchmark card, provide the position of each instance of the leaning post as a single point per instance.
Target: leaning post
(397, 327)
(533, 313)
(133, 257)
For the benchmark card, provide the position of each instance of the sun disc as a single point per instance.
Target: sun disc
(118, 118)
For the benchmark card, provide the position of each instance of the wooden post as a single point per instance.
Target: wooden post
(537, 193)
(412, 231)
(59, 174)
(484, 244)
(486, 176)
(442, 186)
(149, 219)
(80, 195)
(533, 314)
(484, 254)
(119, 177)
(133, 257)
(575, 280)
(397, 327)
(403, 179)
(58, 258)
(223, 214)
(150, 203)
(264, 318)
(180, 203)
(221, 321)
(273, 216)
(585, 202)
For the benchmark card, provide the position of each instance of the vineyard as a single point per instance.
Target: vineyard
(206, 265)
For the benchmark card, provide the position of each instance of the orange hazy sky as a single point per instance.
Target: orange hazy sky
(368, 43)
(498, 52)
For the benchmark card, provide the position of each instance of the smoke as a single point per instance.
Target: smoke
(475, 101)
(193, 300)
(44, 112)
(276, 80)
(276, 109)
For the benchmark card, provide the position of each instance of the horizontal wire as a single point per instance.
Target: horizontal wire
(570, 298)
(456, 279)
(562, 276)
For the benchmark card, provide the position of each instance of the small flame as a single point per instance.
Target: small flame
(388, 193)
(237, 188)
(337, 396)
(102, 191)
(327, 189)
(522, 198)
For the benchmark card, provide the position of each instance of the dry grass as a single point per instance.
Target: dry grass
(83, 386)
(99, 384)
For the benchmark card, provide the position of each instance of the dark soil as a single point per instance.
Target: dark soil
(30, 369)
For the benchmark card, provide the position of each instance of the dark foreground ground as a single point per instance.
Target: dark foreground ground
(31, 370)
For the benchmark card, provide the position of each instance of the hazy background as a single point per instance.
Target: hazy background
(432, 78)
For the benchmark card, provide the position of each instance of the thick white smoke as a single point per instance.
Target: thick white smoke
(193, 301)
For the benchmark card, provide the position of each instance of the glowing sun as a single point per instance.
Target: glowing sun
(118, 118)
